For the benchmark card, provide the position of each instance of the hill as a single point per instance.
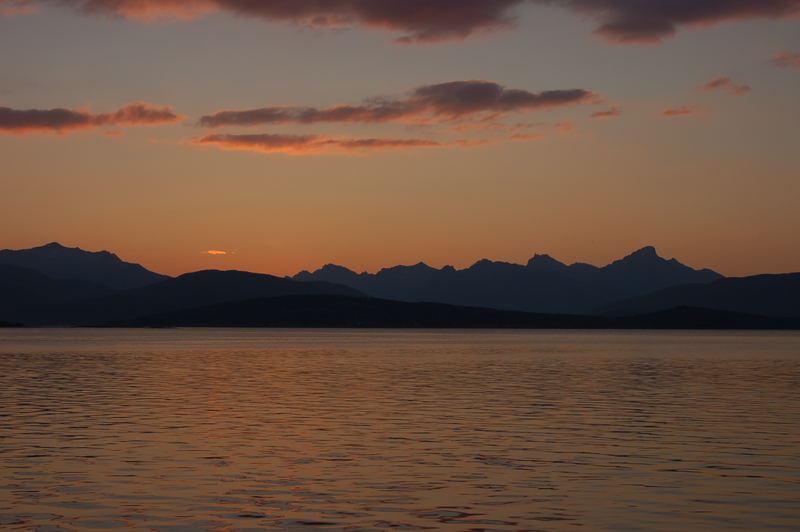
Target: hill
(346, 312)
(768, 295)
(186, 291)
(24, 292)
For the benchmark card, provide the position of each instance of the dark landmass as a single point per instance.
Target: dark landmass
(7, 324)
(543, 285)
(101, 267)
(24, 292)
(486, 295)
(186, 291)
(768, 295)
(360, 312)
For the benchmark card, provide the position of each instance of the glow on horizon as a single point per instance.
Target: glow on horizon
(351, 148)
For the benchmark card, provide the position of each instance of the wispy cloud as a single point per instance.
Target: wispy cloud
(218, 252)
(13, 8)
(786, 60)
(59, 120)
(685, 110)
(724, 84)
(323, 144)
(613, 112)
(443, 102)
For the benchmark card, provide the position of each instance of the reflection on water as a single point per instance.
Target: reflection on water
(182, 430)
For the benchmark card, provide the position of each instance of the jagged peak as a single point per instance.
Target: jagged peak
(334, 268)
(420, 266)
(543, 259)
(647, 251)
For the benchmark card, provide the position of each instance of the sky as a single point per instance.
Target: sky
(282, 136)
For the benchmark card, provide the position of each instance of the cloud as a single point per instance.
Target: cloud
(26, 121)
(608, 113)
(725, 84)
(13, 8)
(430, 21)
(786, 60)
(320, 144)
(684, 110)
(308, 144)
(218, 252)
(450, 101)
(419, 21)
(652, 21)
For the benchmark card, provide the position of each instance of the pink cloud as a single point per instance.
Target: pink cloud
(13, 8)
(323, 144)
(724, 84)
(684, 110)
(786, 60)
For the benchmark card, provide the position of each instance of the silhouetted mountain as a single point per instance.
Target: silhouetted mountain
(6, 324)
(768, 295)
(345, 311)
(100, 267)
(189, 290)
(24, 292)
(543, 285)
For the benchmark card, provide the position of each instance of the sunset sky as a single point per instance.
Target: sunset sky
(278, 136)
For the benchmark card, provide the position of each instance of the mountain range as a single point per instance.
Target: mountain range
(56, 285)
(543, 285)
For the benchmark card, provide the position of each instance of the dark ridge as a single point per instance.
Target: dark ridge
(357, 312)
(768, 295)
(543, 285)
(98, 267)
(24, 292)
(186, 291)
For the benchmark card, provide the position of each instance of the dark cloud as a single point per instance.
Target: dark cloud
(608, 113)
(418, 20)
(425, 21)
(431, 103)
(24, 121)
(651, 21)
(786, 60)
(724, 84)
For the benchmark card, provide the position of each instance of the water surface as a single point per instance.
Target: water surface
(230, 430)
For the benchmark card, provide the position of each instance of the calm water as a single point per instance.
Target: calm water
(373, 430)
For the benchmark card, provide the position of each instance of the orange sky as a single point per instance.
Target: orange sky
(340, 144)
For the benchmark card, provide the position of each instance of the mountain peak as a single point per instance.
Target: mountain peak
(544, 260)
(61, 262)
(335, 268)
(647, 251)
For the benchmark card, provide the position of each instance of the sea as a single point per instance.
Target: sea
(395, 430)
